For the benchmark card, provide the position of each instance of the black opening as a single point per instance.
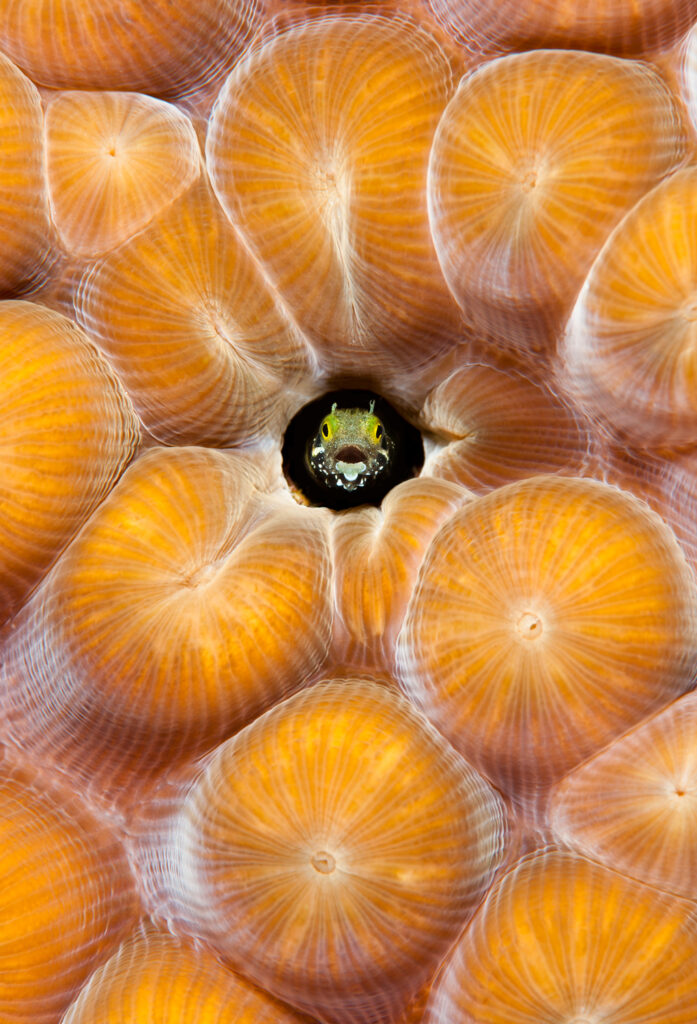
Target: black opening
(349, 448)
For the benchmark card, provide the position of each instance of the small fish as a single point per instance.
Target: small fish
(350, 450)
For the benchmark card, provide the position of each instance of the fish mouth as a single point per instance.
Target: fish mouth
(350, 467)
(350, 453)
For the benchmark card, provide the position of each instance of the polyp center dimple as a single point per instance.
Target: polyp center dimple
(200, 576)
(332, 187)
(684, 790)
(218, 324)
(529, 626)
(323, 862)
(529, 180)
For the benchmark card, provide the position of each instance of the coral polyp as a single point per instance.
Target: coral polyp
(543, 619)
(564, 938)
(303, 853)
(537, 156)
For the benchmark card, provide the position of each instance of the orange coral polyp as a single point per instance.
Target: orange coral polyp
(536, 158)
(67, 896)
(634, 805)
(187, 320)
(377, 555)
(156, 47)
(562, 938)
(629, 347)
(182, 609)
(67, 432)
(114, 161)
(157, 977)
(625, 27)
(333, 849)
(498, 427)
(548, 617)
(318, 149)
(25, 228)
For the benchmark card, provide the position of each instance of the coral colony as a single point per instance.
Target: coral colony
(348, 493)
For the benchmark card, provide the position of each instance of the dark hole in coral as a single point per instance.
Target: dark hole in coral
(349, 448)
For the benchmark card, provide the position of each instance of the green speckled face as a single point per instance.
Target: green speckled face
(350, 449)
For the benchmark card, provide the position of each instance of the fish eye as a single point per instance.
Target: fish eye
(325, 428)
(379, 431)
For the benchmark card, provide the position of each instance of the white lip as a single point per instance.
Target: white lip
(350, 470)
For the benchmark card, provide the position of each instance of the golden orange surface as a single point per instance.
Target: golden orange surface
(184, 607)
(67, 431)
(377, 554)
(124, 44)
(628, 27)
(66, 896)
(25, 228)
(548, 617)
(427, 761)
(630, 345)
(536, 158)
(562, 939)
(155, 977)
(114, 160)
(188, 322)
(333, 849)
(318, 149)
(634, 805)
(499, 427)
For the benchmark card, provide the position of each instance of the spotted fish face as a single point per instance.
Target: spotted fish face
(350, 449)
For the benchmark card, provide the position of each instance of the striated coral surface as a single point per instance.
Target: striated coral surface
(348, 512)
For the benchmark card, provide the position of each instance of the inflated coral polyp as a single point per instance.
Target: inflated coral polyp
(626, 27)
(114, 161)
(156, 977)
(631, 341)
(66, 896)
(563, 939)
(548, 617)
(333, 849)
(377, 553)
(67, 431)
(318, 149)
(497, 426)
(634, 805)
(535, 160)
(25, 228)
(185, 317)
(687, 73)
(185, 607)
(124, 44)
